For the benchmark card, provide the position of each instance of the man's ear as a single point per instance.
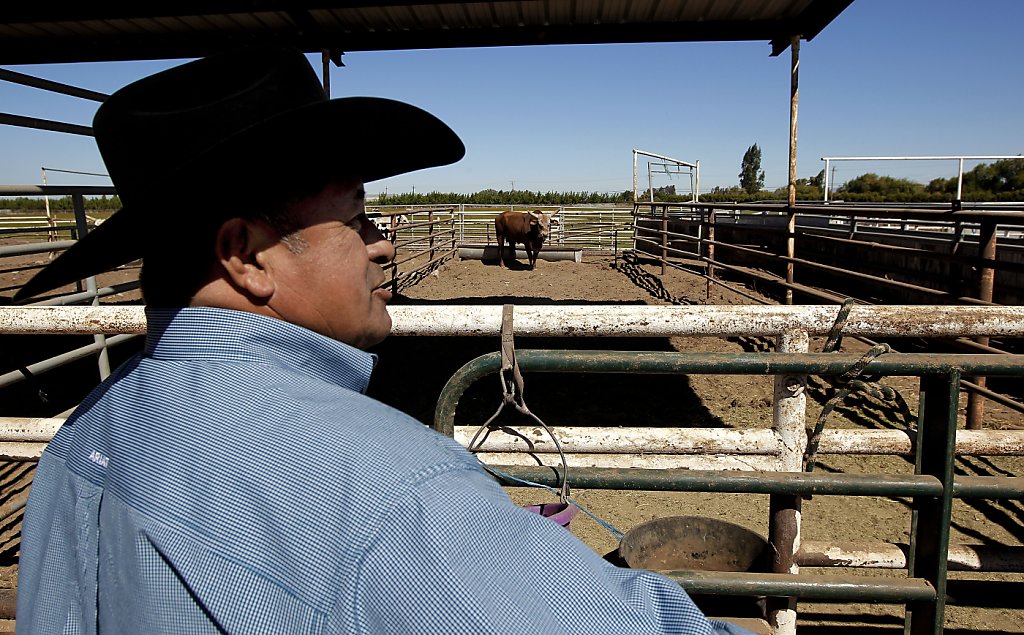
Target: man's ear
(239, 242)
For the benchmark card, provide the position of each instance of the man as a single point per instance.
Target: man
(233, 477)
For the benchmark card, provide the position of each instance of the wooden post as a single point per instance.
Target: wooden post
(986, 284)
(794, 75)
(788, 420)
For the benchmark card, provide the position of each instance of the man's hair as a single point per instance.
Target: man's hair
(176, 265)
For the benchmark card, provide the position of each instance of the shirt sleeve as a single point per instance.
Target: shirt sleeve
(459, 557)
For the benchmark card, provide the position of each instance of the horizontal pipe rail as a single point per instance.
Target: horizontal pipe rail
(846, 588)
(52, 86)
(885, 555)
(712, 363)
(728, 482)
(58, 227)
(56, 190)
(597, 320)
(971, 261)
(44, 124)
(1011, 213)
(684, 440)
(762, 482)
(15, 376)
(709, 462)
(648, 441)
(35, 248)
(82, 296)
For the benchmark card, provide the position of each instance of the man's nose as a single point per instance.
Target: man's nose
(380, 249)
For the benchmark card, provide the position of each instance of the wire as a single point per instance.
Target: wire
(568, 499)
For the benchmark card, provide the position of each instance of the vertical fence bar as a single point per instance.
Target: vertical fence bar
(430, 231)
(664, 236)
(789, 421)
(636, 225)
(790, 252)
(986, 286)
(52, 236)
(710, 253)
(615, 246)
(462, 224)
(936, 439)
(81, 223)
(958, 237)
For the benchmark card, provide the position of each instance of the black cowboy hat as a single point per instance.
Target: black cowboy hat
(232, 121)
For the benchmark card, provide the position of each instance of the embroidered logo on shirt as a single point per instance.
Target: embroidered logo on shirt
(98, 458)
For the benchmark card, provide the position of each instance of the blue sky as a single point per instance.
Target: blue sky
(887, 77)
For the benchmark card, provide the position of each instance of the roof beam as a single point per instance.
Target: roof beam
(198, 43)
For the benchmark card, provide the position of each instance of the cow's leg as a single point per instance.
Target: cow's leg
(531, 255)
(501, 251)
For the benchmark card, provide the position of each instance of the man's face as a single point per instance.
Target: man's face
(327, 274)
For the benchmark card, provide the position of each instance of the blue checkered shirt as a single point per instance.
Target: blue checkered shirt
(233, 478)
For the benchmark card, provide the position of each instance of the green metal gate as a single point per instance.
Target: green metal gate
(931, 488)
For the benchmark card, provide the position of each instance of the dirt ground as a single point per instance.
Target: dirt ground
(411, 373)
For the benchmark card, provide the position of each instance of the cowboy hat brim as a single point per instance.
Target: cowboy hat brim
(367, 137)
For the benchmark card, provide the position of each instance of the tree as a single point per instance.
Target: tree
(751, 174)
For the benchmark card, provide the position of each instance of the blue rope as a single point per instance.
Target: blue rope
(615, 532)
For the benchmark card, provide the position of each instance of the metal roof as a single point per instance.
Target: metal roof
(81, 31)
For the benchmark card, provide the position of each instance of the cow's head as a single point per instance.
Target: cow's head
(540, 221)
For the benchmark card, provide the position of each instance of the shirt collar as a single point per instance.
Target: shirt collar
(198, 333)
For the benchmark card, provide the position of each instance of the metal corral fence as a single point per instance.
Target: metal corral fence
(598, 228)
(891, 254)
(424, 239)
(762, 461)
(928, 253)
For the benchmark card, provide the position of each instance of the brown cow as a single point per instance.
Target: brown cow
(529, 228)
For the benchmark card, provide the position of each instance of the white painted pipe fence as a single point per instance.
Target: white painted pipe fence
(779, 448)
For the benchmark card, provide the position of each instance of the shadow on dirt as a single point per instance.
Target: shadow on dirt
(648, 282)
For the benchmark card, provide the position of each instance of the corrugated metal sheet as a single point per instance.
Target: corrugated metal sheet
(32, 32)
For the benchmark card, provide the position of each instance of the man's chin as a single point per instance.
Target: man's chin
(377, 335)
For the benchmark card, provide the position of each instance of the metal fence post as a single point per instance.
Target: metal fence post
(664, 236)
(929, 536)
(430, 229)
(710, 255)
